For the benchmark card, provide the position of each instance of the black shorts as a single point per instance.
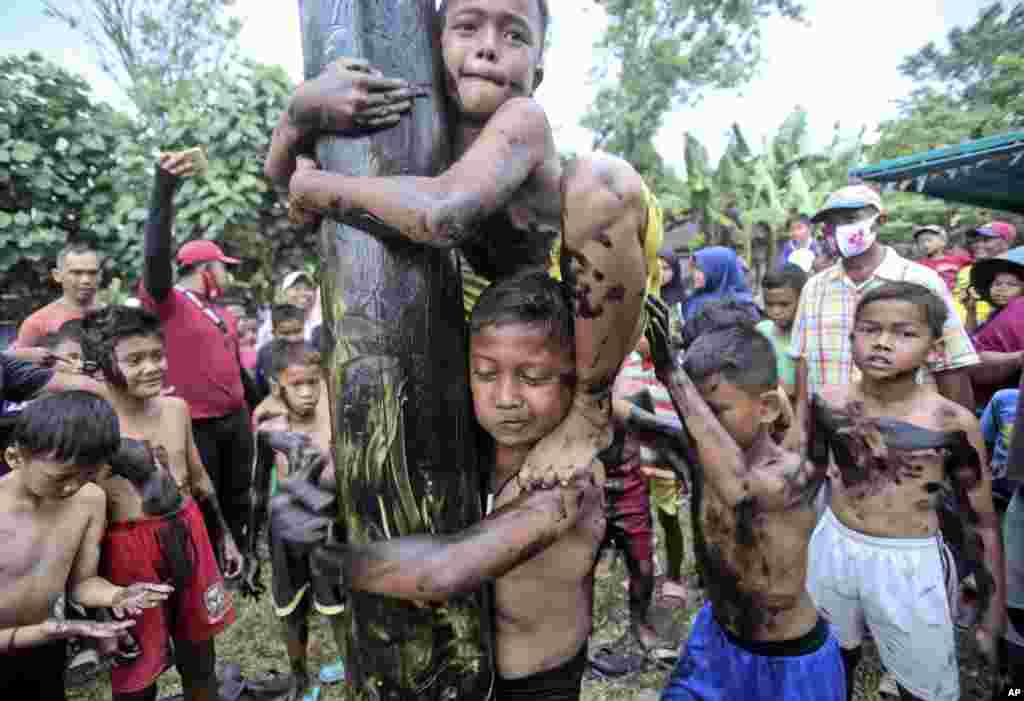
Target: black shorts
(35, 673)
(292, 580)
(559, 684)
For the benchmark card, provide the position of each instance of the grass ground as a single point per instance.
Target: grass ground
(253, 643)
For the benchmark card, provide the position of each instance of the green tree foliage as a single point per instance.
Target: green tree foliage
(665, 54)
(150, 47)
(967, 89)
(72, 168)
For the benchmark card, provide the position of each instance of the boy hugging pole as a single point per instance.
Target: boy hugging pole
(399, 396)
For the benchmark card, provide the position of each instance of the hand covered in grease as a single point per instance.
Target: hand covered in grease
(351, 97)
(305, 202)
(231, 558)
(659, 336)
(56, 629)
(133, 599)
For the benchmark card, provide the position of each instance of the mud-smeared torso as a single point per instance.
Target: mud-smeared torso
(888, 475)
(544, 605)
(754, 563)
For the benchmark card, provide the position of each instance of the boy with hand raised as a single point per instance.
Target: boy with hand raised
(164, 514)
(760, 636)
(52, 519)
(877, 557)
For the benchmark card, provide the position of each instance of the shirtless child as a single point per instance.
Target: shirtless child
(295, 379)
(759, 637)
(52, 519)
(538, 548)
(877, 559)
(165, 521)
(504, 202)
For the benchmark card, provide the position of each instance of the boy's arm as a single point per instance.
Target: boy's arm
(157, 276)
(91, 590)
(436, 568)
(442, 210)
(974, 494)
(206, 498)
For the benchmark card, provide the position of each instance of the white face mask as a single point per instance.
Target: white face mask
(853, 239)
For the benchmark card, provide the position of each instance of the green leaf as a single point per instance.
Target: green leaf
(5, 220)
(22, 219)
(25, 152)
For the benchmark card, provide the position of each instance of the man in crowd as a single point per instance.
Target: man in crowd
(824, 320)
(989, 241)
(202, 344)
(298, 289)
(78, 274)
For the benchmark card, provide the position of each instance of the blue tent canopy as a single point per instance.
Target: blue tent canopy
(985, 173)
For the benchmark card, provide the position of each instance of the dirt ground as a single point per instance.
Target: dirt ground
(253, 643)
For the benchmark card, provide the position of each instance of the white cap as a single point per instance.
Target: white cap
(803, 257)
(295, 275)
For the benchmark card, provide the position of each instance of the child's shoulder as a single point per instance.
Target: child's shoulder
(954, 416)
(91, 497)
(173, 408)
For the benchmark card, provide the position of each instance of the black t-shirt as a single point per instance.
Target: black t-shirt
(21, 380)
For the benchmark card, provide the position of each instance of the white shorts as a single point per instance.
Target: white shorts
(898, 588)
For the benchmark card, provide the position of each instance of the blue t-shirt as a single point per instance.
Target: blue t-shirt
(997, 428)
(20, 380)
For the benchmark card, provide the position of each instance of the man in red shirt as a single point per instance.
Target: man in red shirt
(78, 274)
(202, 345)
(932, 241)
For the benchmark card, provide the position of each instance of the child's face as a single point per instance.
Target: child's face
(48, 478)
(740, 412)
(891, 338)
(298, 386)
(491, 52)
(142, 364)
(930, 244)
(1005, 288)
(780, 306)
(521, 382)
(985, 247)
(667, 273)
(289, 331)
(300, 295)
(72, 350)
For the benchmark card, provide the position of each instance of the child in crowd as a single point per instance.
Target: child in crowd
(539, 548)
(997, 426)
(760, 636)
(295, 383)
(877, 559)
(65, 343)
(286, 322)
(999, 341)
(932, 243)
(164, 518)
(781, 296)
(52, 518)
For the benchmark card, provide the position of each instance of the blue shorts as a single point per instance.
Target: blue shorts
(716, 666)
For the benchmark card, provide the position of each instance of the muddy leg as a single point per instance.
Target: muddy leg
(196, 662)
(604, 220)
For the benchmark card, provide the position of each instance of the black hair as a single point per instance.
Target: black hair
(799, 219)
(718, 315)
(790, 276)
(284, 354)
(935, 310)
(740, 353)
(77, 248)
(528, 298)
(286, 312)
(77, 427)
(542, 5)
(70, 330)
(104, 328)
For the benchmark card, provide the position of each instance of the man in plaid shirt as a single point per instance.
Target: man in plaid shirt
(821, 346)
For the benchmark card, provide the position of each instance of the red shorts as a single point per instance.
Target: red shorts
(199, 608)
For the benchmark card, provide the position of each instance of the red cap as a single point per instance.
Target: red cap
(202, 251)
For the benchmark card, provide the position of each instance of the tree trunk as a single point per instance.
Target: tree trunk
(404, 441)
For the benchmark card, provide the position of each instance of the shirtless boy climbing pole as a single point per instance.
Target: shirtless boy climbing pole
(877, 558)
(504, 202)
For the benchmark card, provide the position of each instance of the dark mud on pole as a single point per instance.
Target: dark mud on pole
(403, 435)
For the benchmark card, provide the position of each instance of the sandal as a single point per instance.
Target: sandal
(624, 656)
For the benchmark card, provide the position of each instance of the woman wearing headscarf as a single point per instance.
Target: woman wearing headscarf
(717, 275)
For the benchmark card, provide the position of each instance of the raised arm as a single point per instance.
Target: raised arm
(443, 210)
(437, 568)
(157, 276)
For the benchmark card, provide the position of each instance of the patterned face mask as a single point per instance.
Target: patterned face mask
(853, 239)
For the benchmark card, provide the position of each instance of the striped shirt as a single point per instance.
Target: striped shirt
(824, 322)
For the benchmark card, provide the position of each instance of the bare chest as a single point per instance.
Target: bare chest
(162, 431)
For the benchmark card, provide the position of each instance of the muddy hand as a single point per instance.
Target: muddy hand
(658, 334)
(86, 629)
(303, 210)
(132, 600)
